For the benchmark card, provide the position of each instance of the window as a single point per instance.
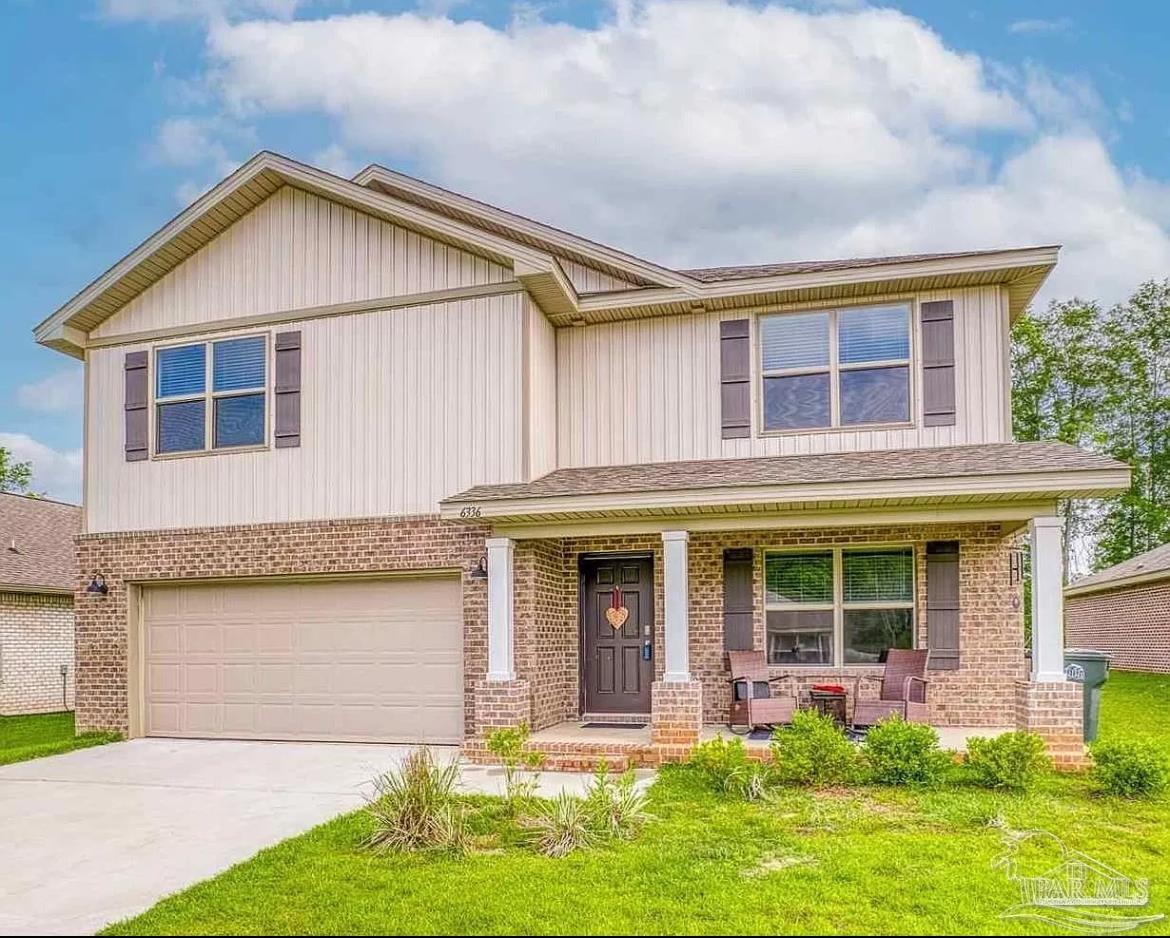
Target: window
(211, 395)
(836, 368)
(845, 605)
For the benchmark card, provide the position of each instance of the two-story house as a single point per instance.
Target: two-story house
(370, 460)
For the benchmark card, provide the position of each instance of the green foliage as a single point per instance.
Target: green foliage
(14, 476)
(813, 751)
(521, 765)
(1010, 760)
(726, 766)
(563, 825)
(415, 807)
(1130, 768)
(901, 753)
(36, 735)
(615, 806)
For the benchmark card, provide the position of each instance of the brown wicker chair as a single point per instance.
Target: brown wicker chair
(903, 690)
(752, 703)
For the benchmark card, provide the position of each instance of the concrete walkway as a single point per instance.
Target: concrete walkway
(93, 836)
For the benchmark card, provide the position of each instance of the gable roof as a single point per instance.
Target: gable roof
(534, 252)
(1152, 565)
(36, 544)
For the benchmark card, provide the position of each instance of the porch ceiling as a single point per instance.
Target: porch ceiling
(942, 477)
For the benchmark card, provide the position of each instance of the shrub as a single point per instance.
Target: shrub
(898, 752)
(521, 766)
(815, 751)
(1130, 769)
(615, 806)
(726, 765)
(1010, 760)
(562, 825)
(415, 807)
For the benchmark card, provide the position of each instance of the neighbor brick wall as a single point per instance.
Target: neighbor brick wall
(1131, 623)
(36, 638)
(304, 548)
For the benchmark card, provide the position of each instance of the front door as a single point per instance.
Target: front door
(617, 661)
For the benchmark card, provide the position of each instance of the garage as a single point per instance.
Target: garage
(340, 660)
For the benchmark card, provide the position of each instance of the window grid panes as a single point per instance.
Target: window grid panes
(846, 605)
(835, 368)
(211, 395)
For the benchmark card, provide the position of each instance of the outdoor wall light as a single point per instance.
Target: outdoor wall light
(479, 571)
(97, 585)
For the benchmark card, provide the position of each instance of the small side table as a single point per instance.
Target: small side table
(830, 703)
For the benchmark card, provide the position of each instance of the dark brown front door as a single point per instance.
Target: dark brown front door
(617, 665)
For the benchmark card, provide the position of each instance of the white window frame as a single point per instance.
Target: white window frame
(209, 397)
(838, 605)
(835, 367)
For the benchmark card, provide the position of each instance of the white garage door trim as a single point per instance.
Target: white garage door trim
(351, 659)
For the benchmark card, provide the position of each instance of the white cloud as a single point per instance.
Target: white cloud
(156, 11)
(1061, 25)
(706, 131)
(334, 159)
(60, 391)
(57, 473)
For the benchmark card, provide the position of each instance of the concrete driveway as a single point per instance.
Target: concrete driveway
(94, 836)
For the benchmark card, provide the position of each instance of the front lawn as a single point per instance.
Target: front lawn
(870, 861)
(43, 734)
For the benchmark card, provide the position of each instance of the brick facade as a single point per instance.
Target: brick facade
(1054, 711)
(1131, 623)
(36, 640)
(304, 548)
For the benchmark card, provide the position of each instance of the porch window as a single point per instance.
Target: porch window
(842, 605)
(835, 368)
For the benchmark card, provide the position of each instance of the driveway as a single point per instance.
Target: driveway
(96, 835)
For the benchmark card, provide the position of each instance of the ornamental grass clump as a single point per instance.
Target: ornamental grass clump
(615, 806)
(415, 807)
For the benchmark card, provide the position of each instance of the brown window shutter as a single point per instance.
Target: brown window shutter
(942, 604)
(737, 600)
(735, 364)
(288, 389)
(137, 406)
(938, 363)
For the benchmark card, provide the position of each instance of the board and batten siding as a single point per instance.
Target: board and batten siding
(295, 251)
(400, 408)
(590, 279)
(541, 391)
(648, 391)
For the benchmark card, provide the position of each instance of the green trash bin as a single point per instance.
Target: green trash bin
(1091, 668)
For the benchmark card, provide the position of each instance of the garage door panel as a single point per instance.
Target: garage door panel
(346, 660)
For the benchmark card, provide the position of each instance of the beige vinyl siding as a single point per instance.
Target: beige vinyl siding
(399, 409)
(293, 251)
(541, 392)
(648, 391)
(590, 279)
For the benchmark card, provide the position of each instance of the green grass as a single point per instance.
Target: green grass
(43, 734)
(872, 861)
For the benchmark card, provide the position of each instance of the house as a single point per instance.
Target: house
(38, 574)
(1124, 610)
(370, 460)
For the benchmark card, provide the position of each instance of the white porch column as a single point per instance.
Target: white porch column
(674, 575)
(501, 661)
(1047, 599)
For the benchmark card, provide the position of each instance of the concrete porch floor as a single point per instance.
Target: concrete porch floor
(574, 731)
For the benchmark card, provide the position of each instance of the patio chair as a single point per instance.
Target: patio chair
(903, 690)
(752, 703)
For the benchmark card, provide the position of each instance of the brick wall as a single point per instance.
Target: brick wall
(298, 549)
(1132, 624)
(1054, 712)
(36, 638)
(546, 637)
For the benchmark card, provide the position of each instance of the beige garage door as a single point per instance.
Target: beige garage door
(338, 660)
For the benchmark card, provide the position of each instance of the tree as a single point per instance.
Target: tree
(14, 476)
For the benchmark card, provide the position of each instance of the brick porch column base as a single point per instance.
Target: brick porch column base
(676, 716)
(501, 703)
(1053, 711)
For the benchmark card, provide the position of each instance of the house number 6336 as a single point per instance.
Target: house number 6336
(471, 511)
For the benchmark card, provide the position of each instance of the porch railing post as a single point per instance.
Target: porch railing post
(501, 659)
(1047, 538)
(674, 575)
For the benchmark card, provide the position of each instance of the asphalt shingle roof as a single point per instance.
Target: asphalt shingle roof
(36, 543)
(1152, 561)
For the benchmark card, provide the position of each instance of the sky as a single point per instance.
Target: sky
(691, 132)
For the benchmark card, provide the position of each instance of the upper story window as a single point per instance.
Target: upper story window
(835, 368)
(211, 395)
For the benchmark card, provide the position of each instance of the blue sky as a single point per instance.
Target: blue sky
(692, 131)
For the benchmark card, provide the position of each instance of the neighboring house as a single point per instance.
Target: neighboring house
(38, 574)
(1124, 610)
(369, 460)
